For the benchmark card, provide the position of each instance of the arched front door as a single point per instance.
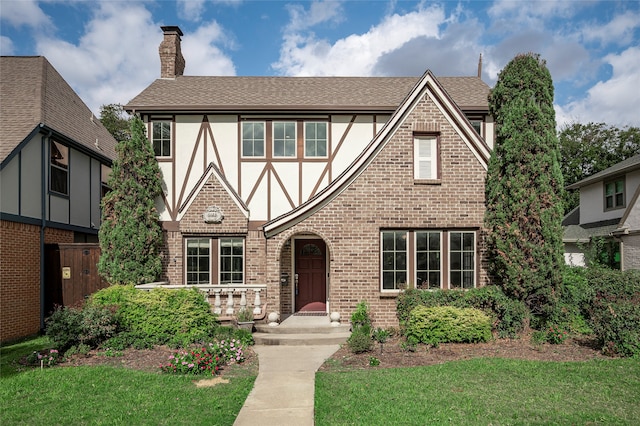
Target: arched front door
(311, 275)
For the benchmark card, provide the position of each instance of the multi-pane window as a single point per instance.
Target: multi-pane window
(252, 139)
(425, 157)
(59, 170)
(198, 261)
(394, 260)
(105, 173)
(315, 139)
(462, 250)
(231, 261)
(614, 194)
(284, 139)
(161, 138)
(428, 265)
(477, 125)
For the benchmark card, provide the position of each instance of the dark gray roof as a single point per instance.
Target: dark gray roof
(32, 93)
(190, 93)
(624, 166)
(582, 234)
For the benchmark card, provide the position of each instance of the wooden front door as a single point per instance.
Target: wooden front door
(311, 281)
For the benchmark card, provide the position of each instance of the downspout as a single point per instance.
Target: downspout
(43, 217)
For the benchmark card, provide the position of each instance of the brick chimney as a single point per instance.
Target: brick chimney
(171, 59)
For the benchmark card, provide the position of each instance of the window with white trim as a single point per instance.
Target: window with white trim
(198, 261)
(253, 139)
(59, 170)
(614, 194)
(394, 260)
(425, 157)
(462, 262)
(284, 139)
(231, 260)
(161, 138)
(428, 259)
(315, 139)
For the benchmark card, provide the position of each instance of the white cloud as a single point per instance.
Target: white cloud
(25, 12)
(302, 54)
(319, 12)
(190, 10)
(202, 57)
(620, 30)
(614, 101)
(6, 46)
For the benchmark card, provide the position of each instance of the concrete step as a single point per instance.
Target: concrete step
(300, 339)
(298, 330)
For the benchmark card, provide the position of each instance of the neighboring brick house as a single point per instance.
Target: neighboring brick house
(609, 209)
(54, 160)
(319, 192)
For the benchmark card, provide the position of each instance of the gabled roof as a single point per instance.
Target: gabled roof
(427, 84)
(246, 94)
(32, 95)
(624, 166)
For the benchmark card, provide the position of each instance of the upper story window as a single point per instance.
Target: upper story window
(105, 173)
(477, 124)
(614, 194)
(425, 157)
(315, 139)
(59, 170)
(161, 138)
(252, 139)
(284, 139)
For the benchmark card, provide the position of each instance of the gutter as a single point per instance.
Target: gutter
(43, 224)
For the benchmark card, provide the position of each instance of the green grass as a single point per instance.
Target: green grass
(11, 354)
(483, 391)
(111, 395)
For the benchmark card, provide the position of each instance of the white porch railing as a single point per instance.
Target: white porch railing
(219, 292)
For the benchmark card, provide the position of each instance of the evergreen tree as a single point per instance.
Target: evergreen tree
(116, 120)
(524, 186)
(130, 233)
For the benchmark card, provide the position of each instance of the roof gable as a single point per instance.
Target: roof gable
(428, 84)
(33, 94)
(624, 166)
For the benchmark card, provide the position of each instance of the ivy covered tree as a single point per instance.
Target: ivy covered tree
(130, 233)
(524, 186)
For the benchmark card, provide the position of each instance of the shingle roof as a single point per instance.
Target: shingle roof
(32, 92)
(624, 166)
(191, 93)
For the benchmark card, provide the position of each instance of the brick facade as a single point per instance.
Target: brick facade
(20, 276)
(631, 252)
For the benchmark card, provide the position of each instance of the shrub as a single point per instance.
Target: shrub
(360, 341)
(615, 312)
(575, 299)
(72, 326)
(508, 315)
(64, 326)
(360, 317)
(442, 324)
(160, 316)
(193, 362)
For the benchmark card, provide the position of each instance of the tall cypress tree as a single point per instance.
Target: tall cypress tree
(524, 186)
(130, 233)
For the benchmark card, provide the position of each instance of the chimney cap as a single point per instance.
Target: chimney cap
(172, 28)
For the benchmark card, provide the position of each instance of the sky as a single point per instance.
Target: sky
(107, 50)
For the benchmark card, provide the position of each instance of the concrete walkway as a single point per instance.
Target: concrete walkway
(283, 393)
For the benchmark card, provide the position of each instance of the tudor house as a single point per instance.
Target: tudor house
(55, 157)
(318, 192)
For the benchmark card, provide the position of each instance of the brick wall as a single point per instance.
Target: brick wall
(386, 196)
(631, 251)
(20, 276)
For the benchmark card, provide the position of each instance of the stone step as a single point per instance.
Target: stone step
(300, 339)
(301, 329)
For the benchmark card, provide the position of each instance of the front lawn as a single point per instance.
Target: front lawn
(112, 395)
(483, 391)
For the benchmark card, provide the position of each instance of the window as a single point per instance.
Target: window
(231, 260)
(477, 125)
(614, 194)
(394, 260)
(59, 170)
(425, 157)
(428, 266)
(105, 173)
(315, 139)
(284, 139)
(252, 139)
(462, 259)
(198, 261)
(161, 138)
(427, 259)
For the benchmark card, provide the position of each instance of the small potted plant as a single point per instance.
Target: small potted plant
(244, 318)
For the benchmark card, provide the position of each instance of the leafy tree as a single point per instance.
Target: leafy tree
(130, 234)
(586, 149)
(116, 120)
(524, 186)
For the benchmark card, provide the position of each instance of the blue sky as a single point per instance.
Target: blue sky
(108, 50)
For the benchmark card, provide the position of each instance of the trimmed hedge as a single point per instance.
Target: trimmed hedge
(508, 315)
(615, 311)
(448, 324)
(160, 316)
